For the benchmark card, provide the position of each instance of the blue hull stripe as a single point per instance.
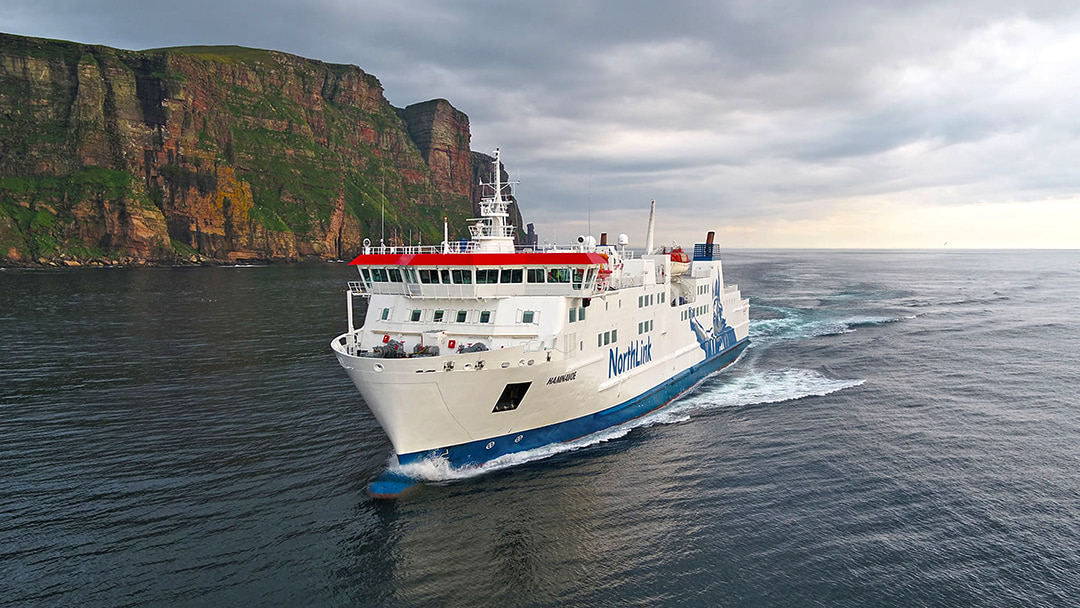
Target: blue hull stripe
(477, 452)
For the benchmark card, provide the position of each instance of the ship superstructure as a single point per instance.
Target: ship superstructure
(472, 349)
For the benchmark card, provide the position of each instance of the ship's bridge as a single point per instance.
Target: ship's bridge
(479, 275)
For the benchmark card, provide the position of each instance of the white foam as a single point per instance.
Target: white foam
(440, 469)
(764, 387)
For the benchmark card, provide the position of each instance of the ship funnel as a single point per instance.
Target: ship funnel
(652, 226)
(603, 239)
(709, 237)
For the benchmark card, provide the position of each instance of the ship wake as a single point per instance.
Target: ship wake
(748, 389)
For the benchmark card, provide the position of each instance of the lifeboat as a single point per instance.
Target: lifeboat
(680, 262)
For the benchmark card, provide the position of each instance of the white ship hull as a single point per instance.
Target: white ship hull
(444, 405)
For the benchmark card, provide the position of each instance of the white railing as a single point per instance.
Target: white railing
(450, 247)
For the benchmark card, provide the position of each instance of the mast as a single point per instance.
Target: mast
(493, 231)
(652, 226)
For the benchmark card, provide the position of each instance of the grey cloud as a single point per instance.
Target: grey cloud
(741, 108)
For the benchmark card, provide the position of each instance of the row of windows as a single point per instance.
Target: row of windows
(695, 311)
(440, 316)
(703, 289)
(644, 327)
(483, 276)
(608, 337)
(650, 299)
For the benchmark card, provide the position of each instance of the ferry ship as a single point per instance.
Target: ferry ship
(474, 349)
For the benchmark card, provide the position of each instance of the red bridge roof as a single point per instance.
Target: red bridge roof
(560, 258)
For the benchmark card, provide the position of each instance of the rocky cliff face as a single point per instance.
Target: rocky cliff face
(220, 153)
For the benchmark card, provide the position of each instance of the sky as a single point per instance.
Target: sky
(838, 124)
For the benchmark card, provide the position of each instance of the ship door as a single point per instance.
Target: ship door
(571, 345)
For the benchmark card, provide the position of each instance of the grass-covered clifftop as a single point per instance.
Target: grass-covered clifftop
(214, 152)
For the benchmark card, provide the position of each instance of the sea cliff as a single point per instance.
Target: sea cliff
(220, 154)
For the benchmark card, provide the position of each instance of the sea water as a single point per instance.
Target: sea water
(903, 431)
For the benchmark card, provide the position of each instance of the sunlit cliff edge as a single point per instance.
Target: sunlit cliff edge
(217, 154)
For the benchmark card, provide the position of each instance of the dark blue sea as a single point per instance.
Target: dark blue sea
(904, 431)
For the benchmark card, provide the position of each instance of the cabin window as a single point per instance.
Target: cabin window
(395, 275)
(640, 301)
(462, 315)
(599, 340)
(437, 318)
(415, 316)
(581, 313)
(485, 316)
(573, 315)
(614, 335)
(607, 338)
(462, 277)
(511, 275)
(487, 276)
(528, 316)
(385, 314)
(535, 275)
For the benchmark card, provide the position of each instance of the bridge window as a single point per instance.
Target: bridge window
(366, 273)
(579, 276)
(395, 275)
(511, 275)
(487, 276)
(535, 275)
(378, 275)
(462, 277)
(559, 275)
(445, 276)
(428, 276)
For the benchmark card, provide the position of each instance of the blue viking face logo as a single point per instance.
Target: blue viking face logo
(720, 337)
